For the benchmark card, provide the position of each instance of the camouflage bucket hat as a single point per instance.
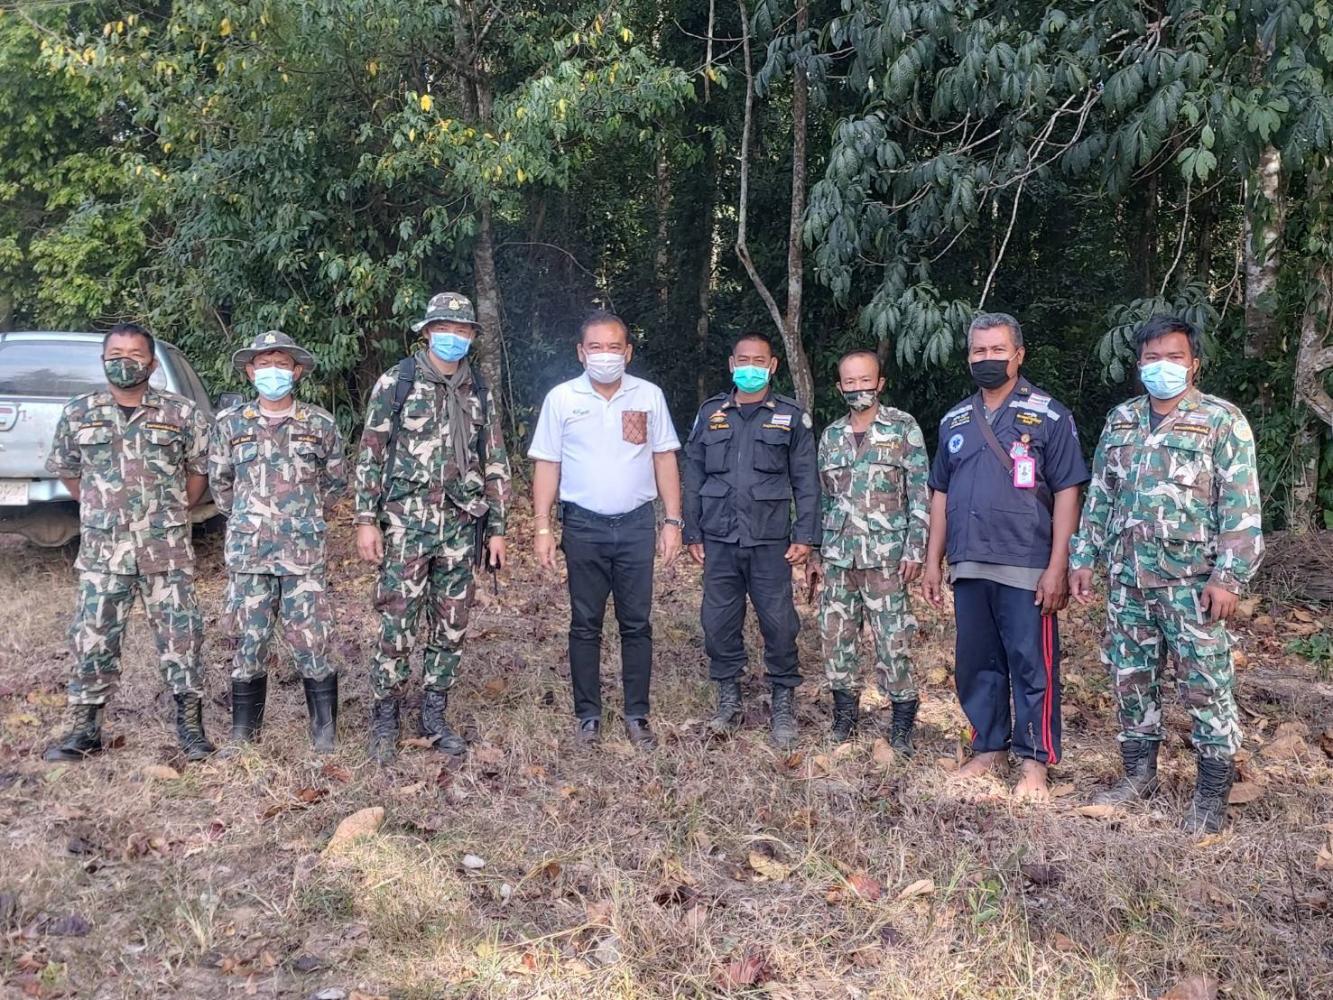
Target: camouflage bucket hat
(273, 340)
(448, 307)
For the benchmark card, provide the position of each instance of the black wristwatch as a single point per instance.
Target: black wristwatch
(674, 520)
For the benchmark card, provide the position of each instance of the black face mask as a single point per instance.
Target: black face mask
(991, 373)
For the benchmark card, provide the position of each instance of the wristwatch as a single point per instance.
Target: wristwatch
(674, 521)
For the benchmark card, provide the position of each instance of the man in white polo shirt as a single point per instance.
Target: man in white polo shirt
(605, 440)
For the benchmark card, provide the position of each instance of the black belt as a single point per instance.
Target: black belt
(592, 515)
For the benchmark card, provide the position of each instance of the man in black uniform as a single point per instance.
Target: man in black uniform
(1006, 480)
(749, 455)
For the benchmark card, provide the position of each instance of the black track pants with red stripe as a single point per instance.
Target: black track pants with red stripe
(1007, 663)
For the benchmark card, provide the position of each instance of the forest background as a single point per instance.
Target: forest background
(840, 174)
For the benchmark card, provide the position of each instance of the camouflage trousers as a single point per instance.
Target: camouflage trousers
(102, 608)
(422, 572)
(1145, 626)
(256, 602)
(850, 598)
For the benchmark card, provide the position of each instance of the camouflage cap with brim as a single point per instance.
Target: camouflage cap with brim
(448, 307)
(273, 340)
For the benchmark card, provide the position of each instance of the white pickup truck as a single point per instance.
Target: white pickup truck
(39, 373)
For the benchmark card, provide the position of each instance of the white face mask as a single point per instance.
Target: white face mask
(605, 368)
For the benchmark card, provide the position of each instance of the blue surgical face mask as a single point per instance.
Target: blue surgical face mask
(274, 383)
(449, 346)
(1164, 379)
(750, 378)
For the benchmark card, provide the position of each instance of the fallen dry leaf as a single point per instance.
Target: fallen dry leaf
(1326, 742)
(1061, 790)
(361, 823)
(160, 772)
(336, 772)
(419, 742)
(881, 753)
(1040, 874)
(1245, 791)
(1062, 942)
(767, 867)
(865, 887)
(311, 795)
(1193, 988)
(495, 687)
(1096, 812)
(1285, 746)
(921, 887)
(1324, 860)
(750, 969)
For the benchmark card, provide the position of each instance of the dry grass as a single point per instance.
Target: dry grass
(618, 875)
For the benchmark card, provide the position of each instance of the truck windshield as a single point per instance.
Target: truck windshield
(59, 369)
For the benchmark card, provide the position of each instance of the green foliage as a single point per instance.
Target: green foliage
(1318, 649)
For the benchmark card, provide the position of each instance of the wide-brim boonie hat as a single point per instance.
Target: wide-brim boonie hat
(448, 307)
(273, 340)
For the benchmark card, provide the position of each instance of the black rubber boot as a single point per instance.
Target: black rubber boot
(1140, 780)
(900, 729)
(433, 726)
(783, 720)
(84, 737)
(321, 704)
(1208, 812)
(846, 715)
(247, 708)
(727, 719)
(384, 729)
(190, 727)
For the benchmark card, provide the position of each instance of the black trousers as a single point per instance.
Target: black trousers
(731, 572)
(610, 556)
(1007, 650)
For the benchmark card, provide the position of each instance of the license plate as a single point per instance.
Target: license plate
(13, 492)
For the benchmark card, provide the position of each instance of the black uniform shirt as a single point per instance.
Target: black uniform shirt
(743, 471)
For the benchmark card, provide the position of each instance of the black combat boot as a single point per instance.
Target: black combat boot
(846, 715)
(727, 719)
(321, 703)
(190, 727)
(783, 719)
(1208, 811)
(1140, 780)
(433, 726)
(384, 729)
(84, 737)
(247, 708)
(900, 729)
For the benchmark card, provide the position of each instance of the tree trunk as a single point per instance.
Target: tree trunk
(797, 361)
(662, 252)
(1263, 253)
(1314, 360)
(707, 265)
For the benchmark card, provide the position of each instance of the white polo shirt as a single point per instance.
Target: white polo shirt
(605, 447)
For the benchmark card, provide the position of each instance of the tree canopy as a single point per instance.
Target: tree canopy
(218, 169)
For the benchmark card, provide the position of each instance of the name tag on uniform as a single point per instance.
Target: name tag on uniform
(242, 439)
(777, 427)
(1192, 428)
(154, 426)
(306, 438)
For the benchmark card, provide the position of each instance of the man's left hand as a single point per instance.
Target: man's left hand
(496, 547)
(797, 553)
(1053, 590)
(668, 544)
(909, 570)
(1218, 602)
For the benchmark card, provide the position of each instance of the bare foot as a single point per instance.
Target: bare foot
(1032, 786)
(981, 764)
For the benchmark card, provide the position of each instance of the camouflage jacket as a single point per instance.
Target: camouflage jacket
(133, 479)
(273, 480)
(1175, 504)
(426, 479)
(875, 502)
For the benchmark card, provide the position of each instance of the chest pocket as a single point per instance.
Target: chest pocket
(886, 478)
(717, 442)
(95, 446)
(417, 412)
(1188, 461)
(307, 457)
(162, 450)
(770, 450)
(1119, 448)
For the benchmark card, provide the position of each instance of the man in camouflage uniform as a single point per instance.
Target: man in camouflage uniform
(1173, 509)
(274, 465)
(135, 458)
(432, 486)
(872, 474)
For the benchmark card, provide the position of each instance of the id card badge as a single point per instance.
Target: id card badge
(1025, 472)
